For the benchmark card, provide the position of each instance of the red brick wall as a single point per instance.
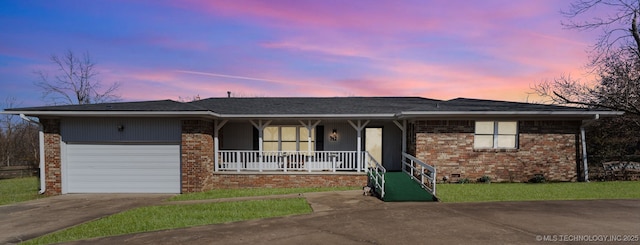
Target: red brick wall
(545, 147)
(197, 155)
(288, 180)
(53, 180)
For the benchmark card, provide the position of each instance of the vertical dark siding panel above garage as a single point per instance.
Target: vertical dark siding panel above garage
(120, 130)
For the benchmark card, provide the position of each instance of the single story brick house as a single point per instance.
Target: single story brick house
(179, 147)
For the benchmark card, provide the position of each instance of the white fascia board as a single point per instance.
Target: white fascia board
(409, 114)
(114, 113)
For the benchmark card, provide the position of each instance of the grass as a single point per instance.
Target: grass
(177, 216)
(163, 217)
(18, 190)
(538, 192)
(226, 193)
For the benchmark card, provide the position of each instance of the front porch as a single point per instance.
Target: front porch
(299, 161)
(316, 153)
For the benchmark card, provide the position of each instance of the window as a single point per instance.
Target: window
(496, 135)
(287, 138)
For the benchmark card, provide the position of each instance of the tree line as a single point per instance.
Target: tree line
(614, 59)
(19, 144)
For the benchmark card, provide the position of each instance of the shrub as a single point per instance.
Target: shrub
(484, 179)
(538, 178)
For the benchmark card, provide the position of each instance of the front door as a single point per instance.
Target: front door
(373, 143)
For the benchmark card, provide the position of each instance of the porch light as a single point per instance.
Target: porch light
(120, 128)
(334, 135)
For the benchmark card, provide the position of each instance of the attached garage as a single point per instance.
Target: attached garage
(122, 168)
(125, 155)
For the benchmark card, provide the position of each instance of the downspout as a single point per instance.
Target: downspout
(583, 140)
(43, 186)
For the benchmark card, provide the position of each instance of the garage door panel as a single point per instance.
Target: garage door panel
(125, 168)
(113, 164)
(100, 188)
(116, 177)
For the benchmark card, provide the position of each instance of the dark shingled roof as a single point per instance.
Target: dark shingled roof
(318, 106)
(464, 104)
(158, 105)
(323, 105)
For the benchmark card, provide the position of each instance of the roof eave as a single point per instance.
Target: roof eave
(114, 113)
(558, 114)
(305, 116)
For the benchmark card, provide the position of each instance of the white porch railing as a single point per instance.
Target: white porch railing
(420, 171)
(376, 174)
(289, 161)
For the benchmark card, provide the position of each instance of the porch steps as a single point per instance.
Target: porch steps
(399, 187)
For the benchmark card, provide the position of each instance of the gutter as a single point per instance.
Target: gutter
(116, 113)
(408, 114)
(583, 139)
(43, 186)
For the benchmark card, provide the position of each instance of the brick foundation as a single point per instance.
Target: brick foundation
(53, 178)
(286, 180)
(545, 147)
(197, 156)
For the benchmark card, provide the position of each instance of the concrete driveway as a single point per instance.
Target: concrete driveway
(27, 220)
(350, 218)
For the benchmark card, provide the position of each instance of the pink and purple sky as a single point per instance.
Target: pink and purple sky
(490, 49)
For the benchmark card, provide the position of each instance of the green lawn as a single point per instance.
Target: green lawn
(225, 193)
(533, 192)
(177, 216)
(185, 215)
(18, 190)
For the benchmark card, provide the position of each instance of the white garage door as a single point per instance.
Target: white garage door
(122, 168)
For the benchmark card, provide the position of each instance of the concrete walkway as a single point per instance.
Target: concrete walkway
(27, 220)
(350, 218)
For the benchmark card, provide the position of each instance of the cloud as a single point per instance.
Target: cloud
(230, 76)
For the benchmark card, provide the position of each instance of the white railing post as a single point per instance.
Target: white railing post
(238, 161)
(433, 180)
(413, 163)
(333, 163)
(412, 168)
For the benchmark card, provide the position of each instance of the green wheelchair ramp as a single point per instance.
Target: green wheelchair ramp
(399, 187)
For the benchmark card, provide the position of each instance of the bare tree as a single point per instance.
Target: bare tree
(615, 58)
(617, 87)
(8, 128)
(18, 139)
(76, 81)
(615, 61)
(618, 21)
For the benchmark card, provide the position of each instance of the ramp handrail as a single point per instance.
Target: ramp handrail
(417, 169)
(376, 172)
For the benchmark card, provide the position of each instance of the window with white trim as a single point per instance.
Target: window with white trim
(287, 138)
(496, 135)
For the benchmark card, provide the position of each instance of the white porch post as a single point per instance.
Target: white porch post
(359, 127)
(260, 126)
(309, 127)
(216, 143)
